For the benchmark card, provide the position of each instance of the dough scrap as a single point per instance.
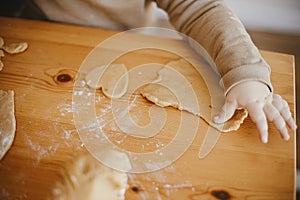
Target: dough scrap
(86, 178)
(14, 48)
(113, 79)
(11, 48)
(1, 63)
(157, 93)
(7, 121)
(1, 42)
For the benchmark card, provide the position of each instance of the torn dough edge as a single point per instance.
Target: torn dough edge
(98, 78)
(230, 125)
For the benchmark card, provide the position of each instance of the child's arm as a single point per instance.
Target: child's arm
(213, 25)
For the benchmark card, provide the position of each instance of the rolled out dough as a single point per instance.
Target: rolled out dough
(113, 79)
(165, 90)
(86, 178)
(7, 121)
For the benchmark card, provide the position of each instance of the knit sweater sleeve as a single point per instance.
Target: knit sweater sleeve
(216, 28)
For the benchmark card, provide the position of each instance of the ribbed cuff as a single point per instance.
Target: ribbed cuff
(255, 72)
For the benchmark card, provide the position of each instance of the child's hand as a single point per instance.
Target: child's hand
(261, 104)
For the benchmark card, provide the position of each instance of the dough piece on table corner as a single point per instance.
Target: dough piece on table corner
(14, 48)
(7, 121)
(163, 96)
(113, 79)
(86, 178)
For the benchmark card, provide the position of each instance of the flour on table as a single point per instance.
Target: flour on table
(86, 178)
(113, 79)
(7, 121)
(170, 89)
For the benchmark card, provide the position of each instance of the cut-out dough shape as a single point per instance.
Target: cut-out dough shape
(14, 48)
(162, 96)
(86, 178)
(113, 79)
(7, 121)
(11, 48)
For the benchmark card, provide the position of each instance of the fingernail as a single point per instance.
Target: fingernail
(286, 137)
(216, 118)
(294, 126)
(264, 139)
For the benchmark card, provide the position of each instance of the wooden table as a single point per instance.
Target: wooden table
(239, 167)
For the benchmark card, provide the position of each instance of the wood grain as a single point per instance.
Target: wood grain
(239, 167)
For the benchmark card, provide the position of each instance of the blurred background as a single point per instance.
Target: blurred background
(273, 25)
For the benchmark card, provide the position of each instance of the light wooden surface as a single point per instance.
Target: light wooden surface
(239, 167)
(284, 43)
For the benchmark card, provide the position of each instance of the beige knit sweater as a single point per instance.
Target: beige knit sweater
(209, 22)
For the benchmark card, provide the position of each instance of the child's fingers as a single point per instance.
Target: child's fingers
(226, 112)
(284, 109)
(258, 117)
(273, 115)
